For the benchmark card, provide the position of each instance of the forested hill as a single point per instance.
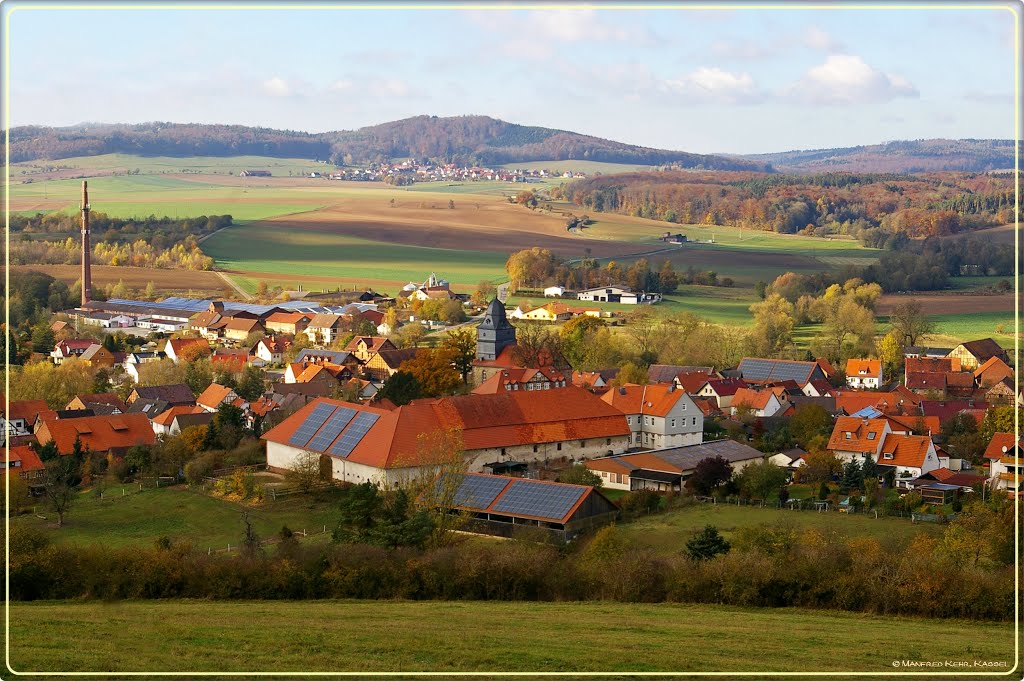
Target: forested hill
(967, 155)
(466, 140)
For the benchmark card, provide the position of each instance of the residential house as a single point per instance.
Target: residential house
(854, 439)
(390, 446)
(330, 375)
(99, 357)
(175, 346)
(1006, 471)
(791, 458)
(291, 323)
(668, 373)
(722, 390)
(1000, 392)
(594, 381)
(216, 395)
(239, 328)
(760, 403)
(974, 354)
(384, 364)
(19, 417)
(365, 347)
(910, 455)
(170, 422)
(101, 435)
(552, 312)
(818, 388)
(24, 461)
(229, 360)
(659, 415)
(864, 373)
(134, 359)
(270, 350)
(175, 394)
(99, 403)
(151, 408)
(993, 371)
(325, 328)
(314, 356)
(70, 347)
(663, 470)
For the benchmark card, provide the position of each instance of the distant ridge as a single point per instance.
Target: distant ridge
(465, 140)
(914, 156)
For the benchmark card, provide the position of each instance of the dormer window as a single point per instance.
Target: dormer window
(887, 455)
(871, 436)
(848, 435)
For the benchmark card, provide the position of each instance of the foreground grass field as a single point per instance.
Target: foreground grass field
(372, 636)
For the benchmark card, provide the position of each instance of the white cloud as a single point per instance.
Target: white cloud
(715, 85)
(848, 79)
(277, 87)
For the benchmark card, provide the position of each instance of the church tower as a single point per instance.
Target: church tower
(495, 333)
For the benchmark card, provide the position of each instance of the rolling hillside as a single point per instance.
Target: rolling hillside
(969, 155)
(470, 140)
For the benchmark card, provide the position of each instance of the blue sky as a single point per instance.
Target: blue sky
(740, 81)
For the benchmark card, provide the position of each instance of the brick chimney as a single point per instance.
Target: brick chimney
(86, 249)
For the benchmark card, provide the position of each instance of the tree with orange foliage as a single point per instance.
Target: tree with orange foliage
(435, 371)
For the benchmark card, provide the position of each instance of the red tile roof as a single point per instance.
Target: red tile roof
(166, 418)
(860, 432)
(1000, 444)
(931, 365)
(111, 399)
(905, 450)
(214, 395)
(993, 371)
(485, 421)
(30, 461)
(754, 399)
(724, 387)
(657, 399)
(27, 410)
(518, 377)
(179, 344)
(868, 368)
(98, 433)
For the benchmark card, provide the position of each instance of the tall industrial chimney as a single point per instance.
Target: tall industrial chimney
(86, 250)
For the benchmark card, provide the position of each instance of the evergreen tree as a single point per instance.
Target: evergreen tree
(853, 476)
(869, 469)
(707, 544)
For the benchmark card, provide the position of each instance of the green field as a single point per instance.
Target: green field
(669, 531)
(961, 327)
(266, 248)
(166, 164)
(140, 518)
(588, 167)
(374, 636)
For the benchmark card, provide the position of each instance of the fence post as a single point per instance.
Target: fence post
(209, 550)
(122, 491)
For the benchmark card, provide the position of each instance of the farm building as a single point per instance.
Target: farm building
(618, 294)
(500, 505)
(554, 291)
(254, 173)
(667, 469)
(368, 444)
(974, 354)
(100, 434)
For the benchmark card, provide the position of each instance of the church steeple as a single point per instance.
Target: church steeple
(495, 333)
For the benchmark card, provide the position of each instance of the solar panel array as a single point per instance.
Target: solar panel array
(478, 491)
(538, 499)
(312, 424)
(194, 305)
(353, 434)
(331, 429)
(773, 370)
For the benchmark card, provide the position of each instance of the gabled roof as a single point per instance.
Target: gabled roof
(288, 317)
(724, 387)
(983, 348)
(175, 393)
(657, 399)
(1000, 444)
(504, 379)
(373, 344)
(26, 410)
(918, 365)
(931, 380)
(822, 387)
(864, 434)
(826, 367)
(324, 321)
(486, 422)
(395, 358)
(947, 409)
(94, 350)
(993, 369)
(871, 368)
(755, 399)
(505, 488)
(179, 344)
(757, 369)
(912, 422)
(98, 433)
(242, 324)
(676, 459)
(666, 373)
(313, 355)
(30, 461)
(214, 395)
(167, 418)
(905, 450)
(92, 399)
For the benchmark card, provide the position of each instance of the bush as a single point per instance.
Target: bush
(640, 501)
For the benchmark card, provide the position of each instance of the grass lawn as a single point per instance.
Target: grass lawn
(956, 328)
(669, 531)
(368, 636)
(140, 518)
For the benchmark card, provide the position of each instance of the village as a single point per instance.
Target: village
(409, 171)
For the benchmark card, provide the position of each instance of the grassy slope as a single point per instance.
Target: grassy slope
(167, 164)
(405, 636)
(669, 531)
(140, 518)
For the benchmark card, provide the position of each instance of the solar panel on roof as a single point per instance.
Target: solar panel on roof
(331, 429)
(525, 497)
(312, 424)
(353, 434)
(477, 491)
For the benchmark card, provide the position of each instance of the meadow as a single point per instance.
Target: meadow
(481, 637)
(139, 518)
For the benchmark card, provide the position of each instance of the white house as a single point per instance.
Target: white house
(659, 415)
(761, 403)
(910, 455)
(864, 373)
(554, 291)
(135, 359)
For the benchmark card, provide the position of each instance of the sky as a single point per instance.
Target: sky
(725, 80)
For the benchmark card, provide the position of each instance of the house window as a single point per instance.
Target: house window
(629, 420)
(608, 441)
(848, 435)
(694, 420)
(503, 451)
(582, 443)
(684, 406)
(535, 449)
(673, 423)
(559, 446)
(871, 436)
(887, 455)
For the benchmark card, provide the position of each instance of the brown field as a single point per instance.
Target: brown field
(949, 303)
(166, 281)
(476, 224)
(1003, 234)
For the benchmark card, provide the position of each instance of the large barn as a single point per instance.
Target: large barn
(364, 443)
